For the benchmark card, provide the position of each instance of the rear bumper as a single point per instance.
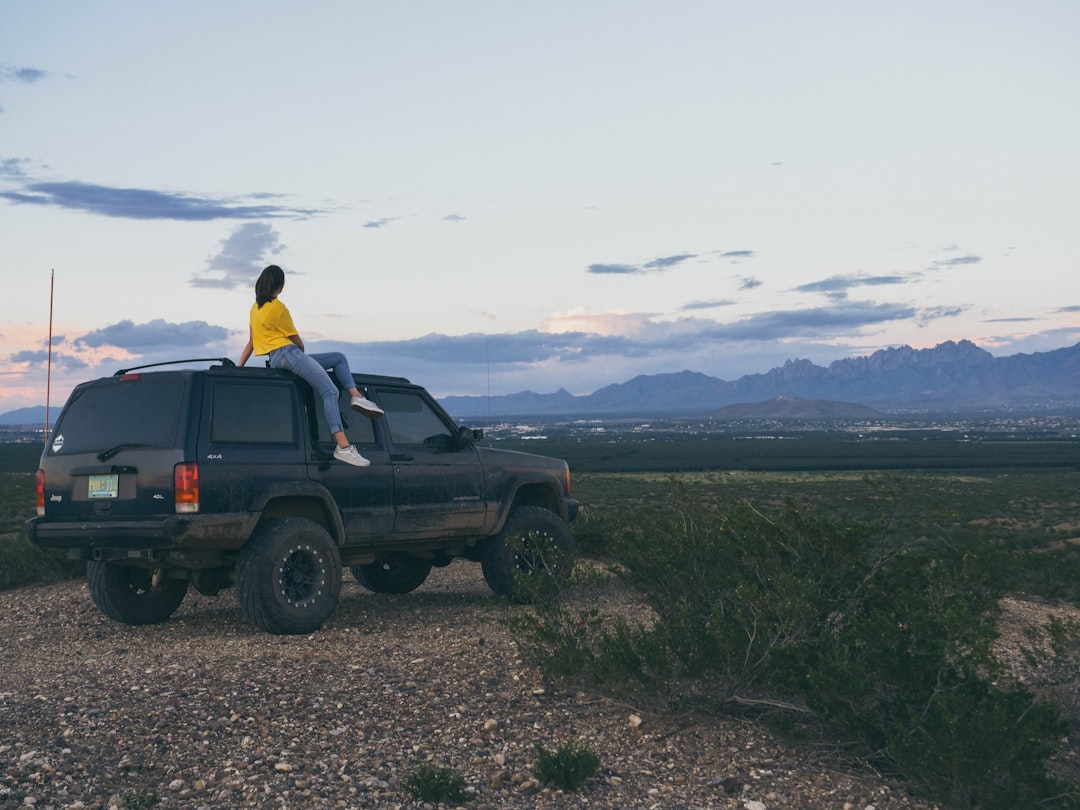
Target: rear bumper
(228, 531)
(570, 509)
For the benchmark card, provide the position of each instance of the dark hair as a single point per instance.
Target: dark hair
(270, 281)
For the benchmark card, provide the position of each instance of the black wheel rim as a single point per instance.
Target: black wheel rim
(301, 577)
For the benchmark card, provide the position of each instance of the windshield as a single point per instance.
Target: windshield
(136, 411)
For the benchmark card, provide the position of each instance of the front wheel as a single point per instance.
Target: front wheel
(396, 575)
(532, 556)
(288, 578)
(133, 595)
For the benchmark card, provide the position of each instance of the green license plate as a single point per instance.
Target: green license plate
(104, 486)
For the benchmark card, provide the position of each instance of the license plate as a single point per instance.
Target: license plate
(103, 486)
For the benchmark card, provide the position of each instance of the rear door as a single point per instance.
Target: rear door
(365, 495)
(250, 440)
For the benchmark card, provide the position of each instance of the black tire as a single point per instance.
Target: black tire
(535, 543)
(397, 575)
(288, 578)
(126, 594)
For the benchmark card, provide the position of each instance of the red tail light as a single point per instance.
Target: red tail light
(186, 487)
(39, 493)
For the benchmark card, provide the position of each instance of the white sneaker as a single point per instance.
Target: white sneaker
(366, 407)
(350, 455)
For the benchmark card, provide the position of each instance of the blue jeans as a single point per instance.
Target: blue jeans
(314, 369)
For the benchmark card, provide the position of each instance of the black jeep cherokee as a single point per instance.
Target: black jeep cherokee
(219, 476)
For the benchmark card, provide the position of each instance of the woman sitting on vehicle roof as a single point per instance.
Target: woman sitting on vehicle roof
(271, 332)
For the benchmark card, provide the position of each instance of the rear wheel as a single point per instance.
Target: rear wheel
(396, 575)
(532, 556)
(133, 595)
(288, 578)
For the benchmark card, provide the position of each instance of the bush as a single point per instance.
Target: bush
(23, 563)
(429, 784)
(884, 645)
(141, 799)
(568, 766)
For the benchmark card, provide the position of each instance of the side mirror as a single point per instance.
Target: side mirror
(466, 436)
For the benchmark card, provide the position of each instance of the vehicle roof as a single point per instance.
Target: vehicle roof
(224, 366)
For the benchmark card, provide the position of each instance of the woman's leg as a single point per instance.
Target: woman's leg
(336, 364)
(308, 368)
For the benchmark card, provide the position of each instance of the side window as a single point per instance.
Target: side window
(358, 428)
(410, 419)
(247, 413)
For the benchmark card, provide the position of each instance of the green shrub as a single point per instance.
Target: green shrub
(592, 530)
(140, 799)
(430, 784)
(884, 645)
(568, 766)
(23, 563)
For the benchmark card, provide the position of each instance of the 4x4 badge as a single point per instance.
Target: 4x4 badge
(58, 443)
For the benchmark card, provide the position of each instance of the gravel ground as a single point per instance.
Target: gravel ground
(205, 711)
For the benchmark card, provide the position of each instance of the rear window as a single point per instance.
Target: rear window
(144, 411)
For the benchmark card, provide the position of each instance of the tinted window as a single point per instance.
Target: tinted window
(143, 410)
(410, 419)
(250, 413)
(358, 428)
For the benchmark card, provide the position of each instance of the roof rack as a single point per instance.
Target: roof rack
(225, 361)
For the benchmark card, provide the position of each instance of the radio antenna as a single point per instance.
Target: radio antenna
(48, 364)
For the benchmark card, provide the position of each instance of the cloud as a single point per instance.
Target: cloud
(12, 167)
(932, 314)
(737, 254)
(585, 360)
(140, 338)
(846, 318)
(379, 223)
(39, 358)
(242, 256)
(837, 287)
(661, 263)
(633, 335)
(613, 269)
(26, 75)
(665, 262)
(1068, 309)
(693, 305)
(577, 349)
(580, 320)
(139, 203)
(454, 218)
(1043, 341)
(749, 282)
(957, 261)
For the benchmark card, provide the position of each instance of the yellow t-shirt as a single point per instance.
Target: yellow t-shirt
(271, 326)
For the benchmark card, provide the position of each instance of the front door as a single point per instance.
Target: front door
(438, 490)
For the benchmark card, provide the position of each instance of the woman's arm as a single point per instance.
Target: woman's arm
(297, 340)
(246, 353)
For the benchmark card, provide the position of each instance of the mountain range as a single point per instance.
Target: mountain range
(953, 376)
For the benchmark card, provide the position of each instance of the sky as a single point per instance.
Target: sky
(490, 197)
